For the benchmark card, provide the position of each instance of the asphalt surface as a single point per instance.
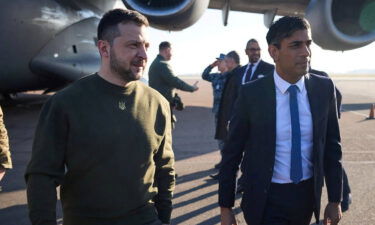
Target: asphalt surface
(195, 198)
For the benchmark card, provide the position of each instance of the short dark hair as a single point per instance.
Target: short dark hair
(284, 28)
(108, 26)
(234, 55)
(163, 45)
(252, 40)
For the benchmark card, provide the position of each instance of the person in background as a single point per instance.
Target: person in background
(162, 78)
(229, 94)
(346, 191)
(255, 69)
(217, 81)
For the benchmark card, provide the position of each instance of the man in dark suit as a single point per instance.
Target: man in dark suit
(256, 68)
(285, 127)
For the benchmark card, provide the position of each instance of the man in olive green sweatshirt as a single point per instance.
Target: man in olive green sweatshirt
(5, 160)
(162, 78)
(105, 140)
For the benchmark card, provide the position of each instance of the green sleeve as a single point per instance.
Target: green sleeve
(5, 160)
(173, 81)
(165, 174)
(46, 167)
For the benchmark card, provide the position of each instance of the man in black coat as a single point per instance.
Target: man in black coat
(285, 129)
(229, 95)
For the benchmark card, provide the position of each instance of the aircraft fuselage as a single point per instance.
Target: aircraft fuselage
(47, 43)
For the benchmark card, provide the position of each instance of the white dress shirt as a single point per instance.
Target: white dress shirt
(255, 65)
(281, 172)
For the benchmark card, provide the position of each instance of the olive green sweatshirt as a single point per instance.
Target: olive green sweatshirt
(162, 79)
(5, 160)
(109, 147)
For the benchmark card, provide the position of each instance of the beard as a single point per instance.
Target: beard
(255, 58)
(126, 74)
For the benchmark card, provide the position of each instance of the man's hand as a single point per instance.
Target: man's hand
(214, 64)
(332, 213)
(2, 172)
(227, 216)
(195, 85)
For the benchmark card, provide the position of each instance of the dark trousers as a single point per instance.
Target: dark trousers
(345, 190)
(289, 204)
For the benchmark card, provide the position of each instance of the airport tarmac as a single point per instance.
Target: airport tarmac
(195, 198)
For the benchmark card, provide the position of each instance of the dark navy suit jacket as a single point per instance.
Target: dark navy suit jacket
(263, 68)
(230, 93)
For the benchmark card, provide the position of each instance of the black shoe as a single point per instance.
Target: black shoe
(239, 189)
(214, 176)
(346, 201)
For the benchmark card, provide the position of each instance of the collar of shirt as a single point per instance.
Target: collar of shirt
(255, 65)
(283, 85)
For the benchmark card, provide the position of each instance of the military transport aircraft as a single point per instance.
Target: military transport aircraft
(46, 44)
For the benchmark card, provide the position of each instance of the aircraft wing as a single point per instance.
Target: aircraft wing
(294, 7)
(336, 24)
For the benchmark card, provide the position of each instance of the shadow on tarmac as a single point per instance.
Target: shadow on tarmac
(202, 210)
(194, 132)
(194, 176)
(18, 214)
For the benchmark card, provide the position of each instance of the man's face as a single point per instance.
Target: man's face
(253, 52)
(128, 53)
(222, 67)
(167, 54)
(229, 62)
(293, 56)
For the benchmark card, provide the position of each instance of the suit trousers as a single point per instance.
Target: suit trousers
(289, 204)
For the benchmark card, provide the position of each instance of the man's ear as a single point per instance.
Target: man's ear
(161, 52)
(104, 48)
(274, 52)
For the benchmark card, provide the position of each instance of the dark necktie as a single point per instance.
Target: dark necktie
(248, 74)
(296, 158)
